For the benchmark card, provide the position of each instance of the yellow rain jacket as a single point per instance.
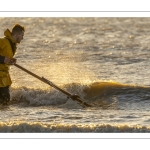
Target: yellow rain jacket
(6, 50)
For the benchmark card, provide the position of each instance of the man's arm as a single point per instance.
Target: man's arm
(5, 59)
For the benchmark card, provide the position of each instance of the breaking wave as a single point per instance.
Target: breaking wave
(37, 127)
(100, 94)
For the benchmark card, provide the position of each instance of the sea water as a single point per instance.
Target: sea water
(105, 61)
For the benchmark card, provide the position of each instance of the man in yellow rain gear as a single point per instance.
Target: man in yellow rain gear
(7, 51)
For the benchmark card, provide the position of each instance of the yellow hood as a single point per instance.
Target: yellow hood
(7, 34)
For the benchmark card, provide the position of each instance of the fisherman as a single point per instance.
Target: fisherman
(7, 51)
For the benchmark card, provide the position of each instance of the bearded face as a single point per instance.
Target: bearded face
(19, 37)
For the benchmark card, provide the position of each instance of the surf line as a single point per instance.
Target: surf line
(72, 96)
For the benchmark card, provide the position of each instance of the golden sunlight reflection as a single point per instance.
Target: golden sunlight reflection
(58, 73)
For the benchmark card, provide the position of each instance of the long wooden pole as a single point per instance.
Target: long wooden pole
(73, 97)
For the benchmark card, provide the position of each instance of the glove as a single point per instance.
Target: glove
(9, 61)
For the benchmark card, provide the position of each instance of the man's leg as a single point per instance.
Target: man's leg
(4, 95)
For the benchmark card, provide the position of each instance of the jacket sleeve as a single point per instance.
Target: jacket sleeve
(2, 59)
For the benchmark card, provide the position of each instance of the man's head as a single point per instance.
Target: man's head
(18, 33)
